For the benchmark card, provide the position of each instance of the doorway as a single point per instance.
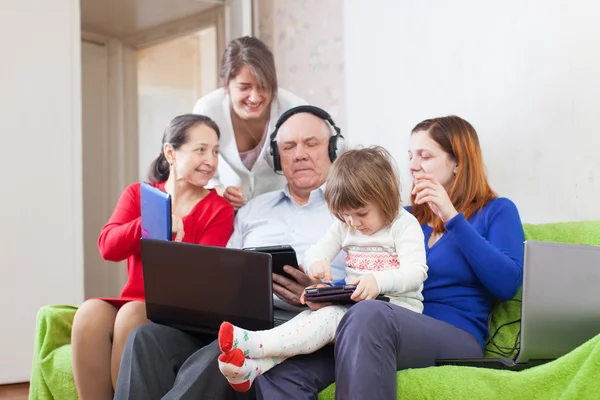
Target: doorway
(172, 76)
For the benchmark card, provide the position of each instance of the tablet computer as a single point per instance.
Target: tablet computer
(334, 294)
(281, 255)
(156, 212)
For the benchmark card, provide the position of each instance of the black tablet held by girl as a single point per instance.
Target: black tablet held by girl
(334, 294)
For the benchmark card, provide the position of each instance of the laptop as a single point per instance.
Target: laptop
(156, 212)
(195, 288)
(560, 308)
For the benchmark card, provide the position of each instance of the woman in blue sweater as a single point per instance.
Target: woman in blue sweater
(474, 244)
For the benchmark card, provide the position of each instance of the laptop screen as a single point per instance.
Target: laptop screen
(560, 299)
(198, 287)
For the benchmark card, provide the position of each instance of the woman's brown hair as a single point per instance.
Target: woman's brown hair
(254, 54)
(363, 176)
(470, 190)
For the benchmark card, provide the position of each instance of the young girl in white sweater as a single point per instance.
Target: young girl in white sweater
(385, 250)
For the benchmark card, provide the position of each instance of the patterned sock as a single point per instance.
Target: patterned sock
(231, 337)
(241, 372)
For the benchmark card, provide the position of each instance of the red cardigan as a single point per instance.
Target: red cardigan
(210, 223)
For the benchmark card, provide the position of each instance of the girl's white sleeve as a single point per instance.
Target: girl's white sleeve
(328, 247)
(410, 247)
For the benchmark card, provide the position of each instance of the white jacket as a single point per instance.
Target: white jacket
(232, 171)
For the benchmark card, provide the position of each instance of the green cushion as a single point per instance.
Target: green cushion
(585, 232)
(52, 375)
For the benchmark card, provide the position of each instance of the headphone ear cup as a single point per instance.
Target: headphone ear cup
(275, 154)
(333, 147)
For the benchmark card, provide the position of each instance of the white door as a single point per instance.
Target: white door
(102, 278)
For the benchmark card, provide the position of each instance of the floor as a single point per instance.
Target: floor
(19, 391)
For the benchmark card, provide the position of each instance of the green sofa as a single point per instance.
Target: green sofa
(573, 376)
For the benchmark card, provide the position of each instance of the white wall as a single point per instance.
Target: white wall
(307, 40)
(41, 207)
(523, 72)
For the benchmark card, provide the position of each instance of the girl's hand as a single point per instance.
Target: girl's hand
(320, 269)
(428, 190)
(366, 288)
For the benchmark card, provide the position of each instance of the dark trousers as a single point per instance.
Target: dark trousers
(160, 362)
(373, 341)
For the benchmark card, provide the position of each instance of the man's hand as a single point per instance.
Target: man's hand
(290, 291)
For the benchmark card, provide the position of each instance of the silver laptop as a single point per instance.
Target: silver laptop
(560, 307)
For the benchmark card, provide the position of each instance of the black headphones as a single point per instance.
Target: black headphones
(316, 111)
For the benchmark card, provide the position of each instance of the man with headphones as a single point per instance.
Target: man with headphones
(303, 146)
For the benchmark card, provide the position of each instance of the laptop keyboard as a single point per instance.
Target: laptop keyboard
(277, 322)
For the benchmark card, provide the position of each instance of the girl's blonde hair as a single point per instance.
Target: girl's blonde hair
(362, 176)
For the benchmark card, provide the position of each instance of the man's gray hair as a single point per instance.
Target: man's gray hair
(327, 130)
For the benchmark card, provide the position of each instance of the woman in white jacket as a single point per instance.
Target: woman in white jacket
(246, 109)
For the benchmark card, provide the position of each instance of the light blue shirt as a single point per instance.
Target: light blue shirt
(275, 218)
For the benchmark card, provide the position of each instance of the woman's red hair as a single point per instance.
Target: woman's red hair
(470, 190)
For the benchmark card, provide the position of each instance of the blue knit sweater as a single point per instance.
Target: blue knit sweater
(473, 263)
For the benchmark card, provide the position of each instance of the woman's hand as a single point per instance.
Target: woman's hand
(320, 269)
(177, 228)
(366, 288)
(428, 190)
(176, 222)
(235, 196)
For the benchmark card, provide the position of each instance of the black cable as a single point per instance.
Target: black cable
(504, 351)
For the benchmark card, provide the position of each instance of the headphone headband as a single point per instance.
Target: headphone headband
(316, 111)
